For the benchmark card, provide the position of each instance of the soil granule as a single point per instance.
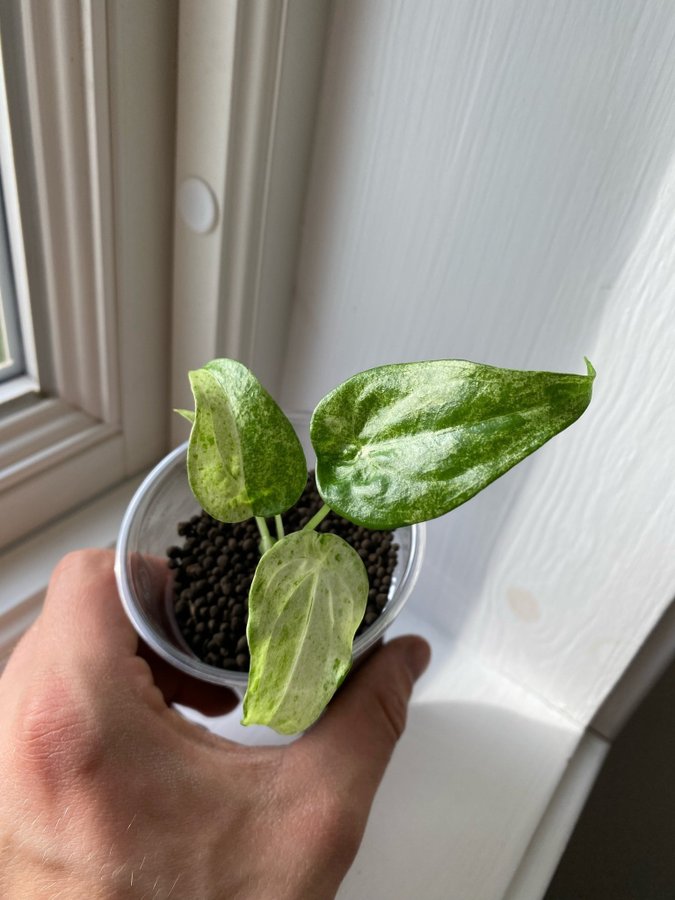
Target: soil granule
(214, 568)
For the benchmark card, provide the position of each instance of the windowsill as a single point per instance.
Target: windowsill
(482, 792)
(27, 566)
(16, 388)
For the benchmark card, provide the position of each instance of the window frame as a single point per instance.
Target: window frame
(26, 381)
(86, 130)
(10, 327)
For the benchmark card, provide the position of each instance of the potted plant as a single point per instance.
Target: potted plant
(395, 445)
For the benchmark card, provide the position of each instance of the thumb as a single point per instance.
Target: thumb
(355, 738)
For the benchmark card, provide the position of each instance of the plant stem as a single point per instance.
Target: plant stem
(267, 540)
(318, 517)
(280, 527)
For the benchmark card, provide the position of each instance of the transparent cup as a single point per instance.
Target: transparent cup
(149, 526)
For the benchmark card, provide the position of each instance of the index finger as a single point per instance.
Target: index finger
(81, 624)
(83, 620)
(82, 607)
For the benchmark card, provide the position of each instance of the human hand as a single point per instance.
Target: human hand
(109, 792)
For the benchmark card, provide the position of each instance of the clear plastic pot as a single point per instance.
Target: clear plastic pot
(149, 526)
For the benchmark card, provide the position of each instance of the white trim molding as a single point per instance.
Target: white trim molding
(251, 97)
(27, 383)
(65, 62)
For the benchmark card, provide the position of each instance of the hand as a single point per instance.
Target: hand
(109, 792)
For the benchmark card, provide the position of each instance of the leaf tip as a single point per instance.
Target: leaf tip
(590, 371)
(186, 414)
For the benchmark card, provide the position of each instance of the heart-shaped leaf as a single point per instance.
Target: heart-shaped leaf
(307, 599)
(244, 458)
(405, 443)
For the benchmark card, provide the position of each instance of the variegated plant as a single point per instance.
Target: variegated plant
(395, 445)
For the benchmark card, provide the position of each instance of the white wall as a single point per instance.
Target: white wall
(492, 180)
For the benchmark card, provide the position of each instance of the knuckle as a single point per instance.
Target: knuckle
(55, 736)
(334, 826)
(392, 709)
(80, 562)
(77, 574)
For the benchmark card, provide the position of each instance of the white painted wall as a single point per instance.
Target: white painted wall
(494, 180)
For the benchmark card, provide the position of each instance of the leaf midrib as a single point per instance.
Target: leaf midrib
(305, 628)
(440, 432)
(241, 478)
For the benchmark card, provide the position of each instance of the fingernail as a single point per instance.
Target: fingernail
(419, 655)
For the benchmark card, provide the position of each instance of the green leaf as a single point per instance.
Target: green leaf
(405, 443)
(186, 414)
(307, 599)
(244, 458)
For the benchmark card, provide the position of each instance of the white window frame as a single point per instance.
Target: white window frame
(26, 383)
(94, 164)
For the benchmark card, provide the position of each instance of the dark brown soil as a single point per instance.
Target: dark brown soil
(214, 567)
